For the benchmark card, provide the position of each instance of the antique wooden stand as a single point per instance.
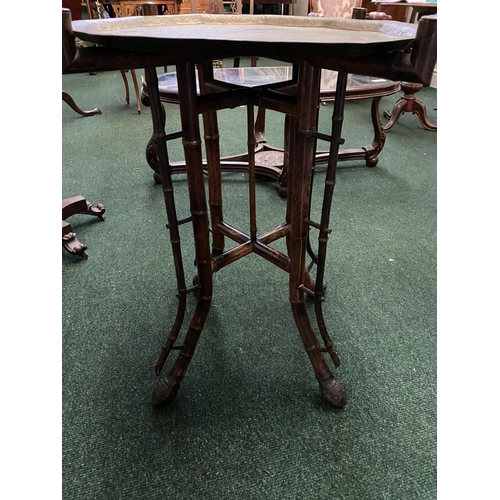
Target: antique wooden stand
(380, 50)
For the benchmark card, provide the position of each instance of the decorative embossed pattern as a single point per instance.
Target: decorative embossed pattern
(129, 23)
(169, 33)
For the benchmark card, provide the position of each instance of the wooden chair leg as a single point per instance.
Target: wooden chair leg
(136, 87)
(71, 103)
(127, 92)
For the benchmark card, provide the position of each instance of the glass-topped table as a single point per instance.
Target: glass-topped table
(269, 160)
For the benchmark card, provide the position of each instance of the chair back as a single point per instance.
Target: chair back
(219, 7)
(334, 8)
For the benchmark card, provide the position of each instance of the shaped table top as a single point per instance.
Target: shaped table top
(260, 35)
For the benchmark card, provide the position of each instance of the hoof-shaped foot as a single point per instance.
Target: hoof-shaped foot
(164, 392)
(333, 392)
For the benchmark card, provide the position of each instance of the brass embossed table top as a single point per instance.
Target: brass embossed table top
(192, 33)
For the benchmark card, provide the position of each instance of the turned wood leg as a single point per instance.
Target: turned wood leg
(71, 103)
(408, 103)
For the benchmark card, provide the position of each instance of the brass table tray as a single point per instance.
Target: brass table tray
(279, 36)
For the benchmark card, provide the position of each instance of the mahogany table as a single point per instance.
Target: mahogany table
(387, 49)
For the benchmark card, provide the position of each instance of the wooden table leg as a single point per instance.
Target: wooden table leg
(299, 190)
(168, 385)
(300, 149)
(212, 146)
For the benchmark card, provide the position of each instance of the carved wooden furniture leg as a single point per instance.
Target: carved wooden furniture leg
(299, 190)
(71, 103)
(151, 151)
(371, 151)
(169, 384)
(72, 206)
(408, 103)
(136, 88)
(125, 82)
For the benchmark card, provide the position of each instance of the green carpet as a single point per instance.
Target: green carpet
(248, 421)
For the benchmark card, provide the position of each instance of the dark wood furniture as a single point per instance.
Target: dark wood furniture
(125, 8)
(75, 6)
(416, 9)
(408, 102)
(269, 160)
(73, 206)
(76, 204)
(346, 46)
(268, 5)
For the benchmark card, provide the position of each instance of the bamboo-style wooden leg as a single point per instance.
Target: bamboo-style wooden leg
(324, 230)
(162, 160)
(168, 386)
(299, 182)
(212, 146)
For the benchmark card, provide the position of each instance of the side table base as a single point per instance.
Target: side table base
(72, 206)
(408, 103)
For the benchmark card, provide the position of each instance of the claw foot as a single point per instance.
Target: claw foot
(73, 246)
(333, 392)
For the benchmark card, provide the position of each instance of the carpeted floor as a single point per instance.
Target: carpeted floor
(248, 421)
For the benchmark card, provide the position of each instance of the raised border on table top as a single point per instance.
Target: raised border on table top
(101, 26)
